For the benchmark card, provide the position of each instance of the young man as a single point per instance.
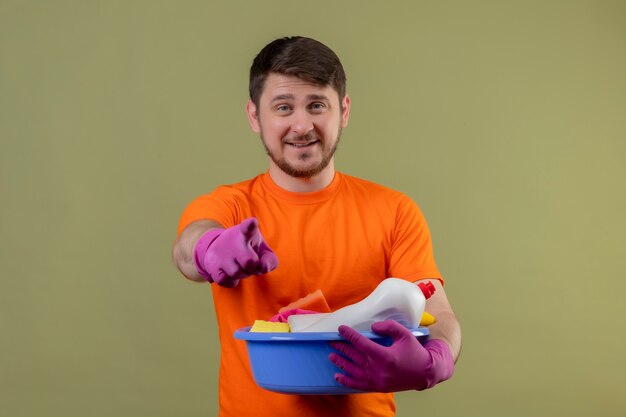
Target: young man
(303, 226)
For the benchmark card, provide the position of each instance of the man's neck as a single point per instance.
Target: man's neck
(302, 185)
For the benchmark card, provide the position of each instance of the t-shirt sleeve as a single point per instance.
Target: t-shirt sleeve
(412, 255)
(225, 205)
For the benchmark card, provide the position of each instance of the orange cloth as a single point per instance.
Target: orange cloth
(312, 302)
(343, 240)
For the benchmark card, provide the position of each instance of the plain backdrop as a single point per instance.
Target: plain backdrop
(505, 121)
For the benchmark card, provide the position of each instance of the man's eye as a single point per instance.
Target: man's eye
(282, 108)
(318, 106)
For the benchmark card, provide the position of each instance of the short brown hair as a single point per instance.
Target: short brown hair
(305, 58)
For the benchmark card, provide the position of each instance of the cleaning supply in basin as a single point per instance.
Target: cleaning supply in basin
(308, 306)
(393, 298)
(314, 301)
(273, 326)
(262, 326)
(427, 319)
(283, 316)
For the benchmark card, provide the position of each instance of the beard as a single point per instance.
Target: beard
(287, 168)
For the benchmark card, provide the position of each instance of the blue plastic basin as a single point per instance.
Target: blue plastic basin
(297, 363)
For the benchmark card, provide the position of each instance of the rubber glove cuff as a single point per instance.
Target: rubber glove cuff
(442, 365)
(202, 246)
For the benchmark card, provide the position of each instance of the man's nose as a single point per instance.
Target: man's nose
(301, 123)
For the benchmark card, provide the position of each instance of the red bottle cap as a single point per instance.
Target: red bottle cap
(427, 289)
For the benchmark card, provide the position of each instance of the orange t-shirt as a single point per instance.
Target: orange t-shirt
(344, 240)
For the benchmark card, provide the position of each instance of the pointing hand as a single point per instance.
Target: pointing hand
(225, 256)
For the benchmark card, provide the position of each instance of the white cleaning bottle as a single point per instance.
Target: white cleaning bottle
(393, 298)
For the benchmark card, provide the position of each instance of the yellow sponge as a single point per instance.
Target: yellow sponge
(263, 326)
(427, 319)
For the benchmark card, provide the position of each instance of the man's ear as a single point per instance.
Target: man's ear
(345, 113)
(251, 112)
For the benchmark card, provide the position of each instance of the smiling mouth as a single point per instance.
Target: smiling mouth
(301, 144)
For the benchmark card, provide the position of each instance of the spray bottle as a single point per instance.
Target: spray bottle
(393, 298)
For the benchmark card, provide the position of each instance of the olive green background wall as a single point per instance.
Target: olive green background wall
(505, 121)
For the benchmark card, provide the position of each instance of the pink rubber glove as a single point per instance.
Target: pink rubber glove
(405, 365)
(225, 256)
(282, 317)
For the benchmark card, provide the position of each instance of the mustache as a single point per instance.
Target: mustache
(306, 138)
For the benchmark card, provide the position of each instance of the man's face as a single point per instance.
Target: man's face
(299, 123)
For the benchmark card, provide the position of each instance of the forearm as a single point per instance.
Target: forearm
(447, 326)
(183, 249)
(448, 329)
